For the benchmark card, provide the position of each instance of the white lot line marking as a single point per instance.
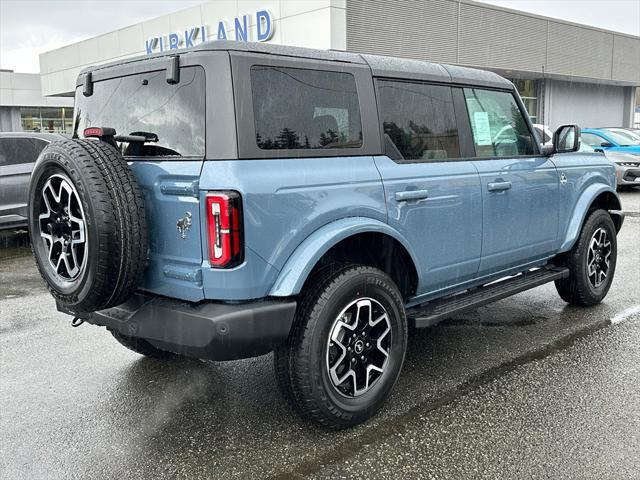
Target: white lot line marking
(625, 314)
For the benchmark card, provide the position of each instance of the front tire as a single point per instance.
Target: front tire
(592, 262)
(347, 347)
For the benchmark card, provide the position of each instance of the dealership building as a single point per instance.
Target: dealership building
(565, 72)
(23, 107)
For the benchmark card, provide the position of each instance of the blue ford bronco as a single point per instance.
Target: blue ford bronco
(238, 198)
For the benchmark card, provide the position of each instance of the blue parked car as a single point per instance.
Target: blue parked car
(237, 198)
(604, 139)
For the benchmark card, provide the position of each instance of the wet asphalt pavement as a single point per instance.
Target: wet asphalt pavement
(525, 388)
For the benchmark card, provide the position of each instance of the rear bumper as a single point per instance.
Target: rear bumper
(208, 330)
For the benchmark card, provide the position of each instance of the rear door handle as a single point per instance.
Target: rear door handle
(498, 186)
(411, 195)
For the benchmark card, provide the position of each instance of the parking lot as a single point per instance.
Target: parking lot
(526, 387)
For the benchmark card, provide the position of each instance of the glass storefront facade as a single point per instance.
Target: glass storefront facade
(47, 119)
(528, 90)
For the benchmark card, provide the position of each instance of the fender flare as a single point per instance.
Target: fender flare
(580, 210)
(300, 263)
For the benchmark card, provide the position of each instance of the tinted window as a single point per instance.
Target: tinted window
(301, 109)
(15, 151)
(6, 147)
(419, 119)
(592, 140)
(147, 103)
(499, 128)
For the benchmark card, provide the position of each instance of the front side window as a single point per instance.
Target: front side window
(498, 125)
(305, 109)
(592, 140)
(146, 105)
(420, 120)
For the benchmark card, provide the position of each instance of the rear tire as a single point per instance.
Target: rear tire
(592, 262)
(141, 346)
(349, 320)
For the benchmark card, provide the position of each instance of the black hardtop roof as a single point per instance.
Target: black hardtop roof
(381, 66)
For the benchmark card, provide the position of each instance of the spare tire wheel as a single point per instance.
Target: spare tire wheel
(87, 225)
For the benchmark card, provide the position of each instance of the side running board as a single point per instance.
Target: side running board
(431, 313)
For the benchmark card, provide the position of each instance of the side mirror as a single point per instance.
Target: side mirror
(606, 144)
(547, 150)
(566, 139)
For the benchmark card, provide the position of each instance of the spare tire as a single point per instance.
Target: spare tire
(87, 225)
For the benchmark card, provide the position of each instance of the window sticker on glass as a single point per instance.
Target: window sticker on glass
(482, 129)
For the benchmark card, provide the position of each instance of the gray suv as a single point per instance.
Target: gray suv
(18, 153)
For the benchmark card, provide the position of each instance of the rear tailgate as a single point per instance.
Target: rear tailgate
(173, 216)
(167, 165)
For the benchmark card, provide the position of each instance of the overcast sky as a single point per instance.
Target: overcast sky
(30, 27)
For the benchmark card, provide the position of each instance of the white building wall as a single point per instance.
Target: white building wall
(23, 90)
(587, 104)
(309, 23)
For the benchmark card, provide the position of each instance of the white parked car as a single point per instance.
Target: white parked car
(545, 135)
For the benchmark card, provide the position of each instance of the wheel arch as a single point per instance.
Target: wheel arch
(358, 240)
(593, 198)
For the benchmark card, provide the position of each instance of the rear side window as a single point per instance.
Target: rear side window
(498, 125)
(146, 103)
(420, 120)
(16, 151)
(305, 109)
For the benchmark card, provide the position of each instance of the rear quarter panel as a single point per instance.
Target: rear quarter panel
(285, 201)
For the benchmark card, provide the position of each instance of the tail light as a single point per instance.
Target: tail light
(99, 132)
(224, 221)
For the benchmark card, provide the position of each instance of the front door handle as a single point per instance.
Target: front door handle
(498, 186)
(408, 195)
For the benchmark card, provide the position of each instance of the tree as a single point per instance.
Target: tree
(328, 138)
(288, 139)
